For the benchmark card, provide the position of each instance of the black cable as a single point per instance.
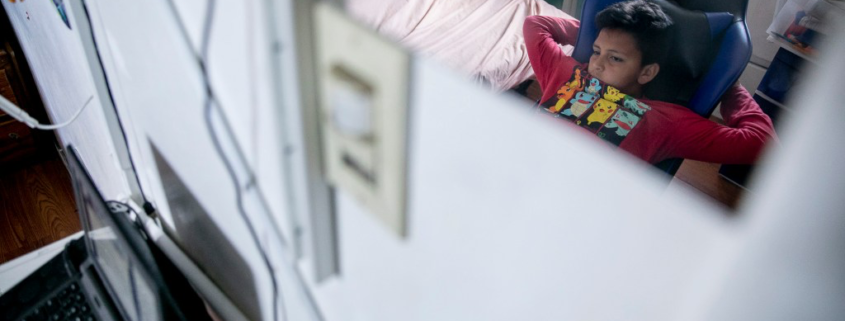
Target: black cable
(116, 206)
(239, 200)
(251, 181)
(148, 207)
(209, 107)
(190, 306)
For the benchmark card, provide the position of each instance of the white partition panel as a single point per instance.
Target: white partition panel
(517, 217)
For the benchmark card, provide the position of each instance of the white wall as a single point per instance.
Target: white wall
(758, 19)
(759, 16)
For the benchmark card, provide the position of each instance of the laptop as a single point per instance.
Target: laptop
(110, 273)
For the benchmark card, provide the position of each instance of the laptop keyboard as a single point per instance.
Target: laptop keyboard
(68, 304)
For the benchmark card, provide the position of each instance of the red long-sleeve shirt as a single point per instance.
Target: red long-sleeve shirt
(667, 130)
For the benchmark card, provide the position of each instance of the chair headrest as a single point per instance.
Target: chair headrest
(737, 8)
(694, 38)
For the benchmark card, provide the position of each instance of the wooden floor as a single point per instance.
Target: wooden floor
(37, 207)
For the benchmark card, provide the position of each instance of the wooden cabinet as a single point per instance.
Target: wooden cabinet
(19, 144)
(16, 139)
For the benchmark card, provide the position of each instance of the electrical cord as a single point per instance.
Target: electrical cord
(135, 218)
(210, 102)
(17, 113)
(117, 207)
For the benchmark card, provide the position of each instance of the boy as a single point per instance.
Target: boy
(626, 55)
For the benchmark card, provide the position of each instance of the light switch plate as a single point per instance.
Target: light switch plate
(363, 101)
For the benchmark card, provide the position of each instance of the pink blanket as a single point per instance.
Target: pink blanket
(481, 38)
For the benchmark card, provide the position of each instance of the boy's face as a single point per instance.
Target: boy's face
(617, 61)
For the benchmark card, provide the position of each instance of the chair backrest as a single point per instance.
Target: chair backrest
(710, 49)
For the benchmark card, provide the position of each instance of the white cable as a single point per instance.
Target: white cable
(57, 126)
(16, 112)
(22, 116)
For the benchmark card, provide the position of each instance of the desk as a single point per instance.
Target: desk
(19, 144)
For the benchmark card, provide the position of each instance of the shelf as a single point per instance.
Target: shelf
(790, 47)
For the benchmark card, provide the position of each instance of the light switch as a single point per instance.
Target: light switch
(351, 106)
(363, 101)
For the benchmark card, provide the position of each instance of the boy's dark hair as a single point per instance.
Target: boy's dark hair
(644, 20)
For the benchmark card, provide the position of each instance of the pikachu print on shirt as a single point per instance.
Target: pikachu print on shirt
(597, 107)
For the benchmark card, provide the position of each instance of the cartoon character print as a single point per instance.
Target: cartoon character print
(613, 95)
(595, 117)
(563, 95)
(595, 86)
(601, 112)
(576, 82)
(636, 106)
(623, 121)
(580, 104)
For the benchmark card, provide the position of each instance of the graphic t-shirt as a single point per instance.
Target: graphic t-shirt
(596, 107)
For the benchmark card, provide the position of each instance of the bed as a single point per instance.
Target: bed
(479, 38)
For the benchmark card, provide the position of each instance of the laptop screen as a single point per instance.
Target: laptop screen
(124, 274)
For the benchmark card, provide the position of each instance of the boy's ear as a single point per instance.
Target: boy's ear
(647, 73)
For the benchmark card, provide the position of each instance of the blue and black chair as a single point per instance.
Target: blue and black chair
(710, 49)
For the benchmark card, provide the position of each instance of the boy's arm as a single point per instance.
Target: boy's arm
(542, 35)
(740, 142)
